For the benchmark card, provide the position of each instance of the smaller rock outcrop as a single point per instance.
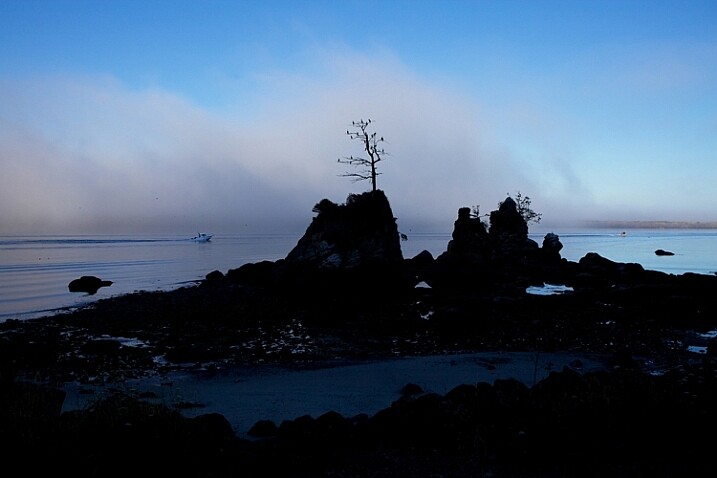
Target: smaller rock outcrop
(482, 256)
(662, 252)
(88, 284)
(509, 235)
(465, 261)
(470, 237)
(551, 246)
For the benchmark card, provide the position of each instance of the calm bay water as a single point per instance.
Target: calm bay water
(35, 270)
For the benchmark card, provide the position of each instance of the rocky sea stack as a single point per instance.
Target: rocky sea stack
(348, 248)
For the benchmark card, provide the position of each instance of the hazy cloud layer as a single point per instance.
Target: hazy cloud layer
(87, 154)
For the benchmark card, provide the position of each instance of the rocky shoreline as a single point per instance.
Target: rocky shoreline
(346, 293)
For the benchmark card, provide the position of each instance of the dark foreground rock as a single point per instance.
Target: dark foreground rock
(346, 293)
(619, 423)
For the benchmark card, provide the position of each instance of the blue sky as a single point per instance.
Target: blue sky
(229, 116)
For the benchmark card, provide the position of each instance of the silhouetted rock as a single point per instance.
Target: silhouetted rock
(350, 247)
(263, 273)
(214, 276)
(551, 247)
(89, 284)
(263, 428)
(469, 240)
(619, 422)
(509, 234)
(411, 389)
(465, 261)
(361, 231)
(661, 252)
(501, 254)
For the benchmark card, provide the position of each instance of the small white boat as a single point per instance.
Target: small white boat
(202, 237)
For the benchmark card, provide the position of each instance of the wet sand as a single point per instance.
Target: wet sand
(245, 395)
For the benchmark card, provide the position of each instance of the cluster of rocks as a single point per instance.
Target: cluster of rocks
(570, 424)
(612, 423)
(354, 249)
(358, 244)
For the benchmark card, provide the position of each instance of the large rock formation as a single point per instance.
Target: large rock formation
(360, 232)
(348, 249)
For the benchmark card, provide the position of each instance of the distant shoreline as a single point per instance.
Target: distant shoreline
(651, 224)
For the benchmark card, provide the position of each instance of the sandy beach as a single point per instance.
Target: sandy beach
(245, 395)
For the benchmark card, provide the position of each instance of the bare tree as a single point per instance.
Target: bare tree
(523, 205)
(375, 154)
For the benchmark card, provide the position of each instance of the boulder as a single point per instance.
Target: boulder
(552, 246)
(88, 284)
(661, 252)
(263, 428)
